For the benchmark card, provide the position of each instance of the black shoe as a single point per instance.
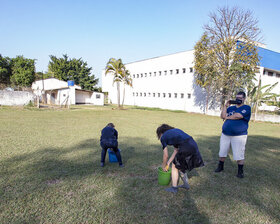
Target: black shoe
(121, 165)
(102, 164)
(240, 175)
(219, 169)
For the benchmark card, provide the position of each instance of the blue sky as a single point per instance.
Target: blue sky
(128, 29)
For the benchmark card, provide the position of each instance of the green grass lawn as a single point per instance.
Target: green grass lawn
(49, 170)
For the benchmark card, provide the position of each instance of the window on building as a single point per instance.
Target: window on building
(159, 73)
(141, 75)
(191, 69)
(177, 71)
(140, 94)
(171, 71)
(144, 94)
(154, 95)
(189, 95)
(136, 94)
(182, 95)
(64, 95)
(137, 75)
(155, 73)
(133, 94)
(158, 94)
(165, 72)
(145, 74)
(270, 73)
(169, 95)
(150, 74)
(149, 94)
(97, 96)
(175, 95)
(184, 70)
(164, 95)
(263, 72)
(278, 75)
(133, 75)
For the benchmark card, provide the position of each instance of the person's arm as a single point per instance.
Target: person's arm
(165, 158)
(235, 116)
(224, 111)
(172, 157)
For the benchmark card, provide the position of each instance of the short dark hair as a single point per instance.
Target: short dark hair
(241, 93)
(163, 128)
(111, 125)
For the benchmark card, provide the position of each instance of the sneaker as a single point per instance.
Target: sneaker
(102, 164)
(185, 186)
(184, 178)
(173, 190)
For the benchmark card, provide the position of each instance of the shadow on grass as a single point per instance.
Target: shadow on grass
(69, 180)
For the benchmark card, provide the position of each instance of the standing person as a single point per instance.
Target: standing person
(185, 156)
(234, 132)
(109, 139)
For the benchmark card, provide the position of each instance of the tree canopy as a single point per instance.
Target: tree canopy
(65, 69)
(5, 70)
(23, 71)
(226, 56)
(120, 74)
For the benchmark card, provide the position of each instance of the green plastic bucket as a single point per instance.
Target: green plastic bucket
(164, 177)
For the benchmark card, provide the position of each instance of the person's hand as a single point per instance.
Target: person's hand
(166, 168)
(227, 104)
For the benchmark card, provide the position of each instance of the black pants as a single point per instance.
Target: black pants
(114, 147)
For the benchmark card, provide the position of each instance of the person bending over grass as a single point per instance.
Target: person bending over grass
(185, 156)
(109, 139)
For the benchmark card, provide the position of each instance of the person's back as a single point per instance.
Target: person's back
(108, 134)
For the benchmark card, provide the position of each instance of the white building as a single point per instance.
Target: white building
(168, 82)
(54, 91)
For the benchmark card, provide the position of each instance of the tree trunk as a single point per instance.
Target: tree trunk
(118, 88)
(207, 100)
(123, 95)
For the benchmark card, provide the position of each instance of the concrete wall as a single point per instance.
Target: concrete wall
(16, 98)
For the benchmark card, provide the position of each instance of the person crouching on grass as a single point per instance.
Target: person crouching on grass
(185, 156)
(109, 139)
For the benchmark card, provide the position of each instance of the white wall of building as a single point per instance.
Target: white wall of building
(166, 82)
(51, 83)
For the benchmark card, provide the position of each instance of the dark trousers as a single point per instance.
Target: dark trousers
(114, 148)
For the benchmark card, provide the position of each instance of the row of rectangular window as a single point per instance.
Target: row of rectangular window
(160, 73)
(271, 74)
(164, 95)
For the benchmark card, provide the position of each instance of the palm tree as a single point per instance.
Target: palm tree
(261, 94)
(127, 80)
(115, 67)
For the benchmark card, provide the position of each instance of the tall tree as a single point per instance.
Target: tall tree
(66, 69)
(229, 44)
(116, 68)
(23, 71)
(5, 71)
